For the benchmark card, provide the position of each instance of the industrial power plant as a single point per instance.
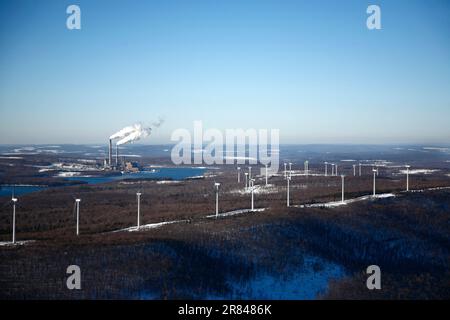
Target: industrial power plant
(124, 136)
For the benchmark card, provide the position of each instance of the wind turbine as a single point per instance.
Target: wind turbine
(216, 188)
(77, 202)
(374, 175)
(252, 188)
(336, 170)
(14, 201)
(354, 170)
(342, 178)
(138, 194)
(285, 172)
(249, 172)
(332, 169)
(326, 168)
(239, 174)
(287, 200)
(407, 177)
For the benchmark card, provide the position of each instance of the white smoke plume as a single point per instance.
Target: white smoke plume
(134, 132)
(136, 135)
(124, 132)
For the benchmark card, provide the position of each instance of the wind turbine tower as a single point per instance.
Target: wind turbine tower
(117, 156)
(360, 169)
(342, 178)
(288, 179)
(407, 177)
(239, 174)
(252, 188)
(354, 170)
(138, 209)
(77, 202)
(110, 153)
(374, 176)
(216, 188)
(14, 201)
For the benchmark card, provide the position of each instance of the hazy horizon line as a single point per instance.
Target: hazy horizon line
(281, 144)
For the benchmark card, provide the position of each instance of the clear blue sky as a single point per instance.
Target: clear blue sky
(310, 68)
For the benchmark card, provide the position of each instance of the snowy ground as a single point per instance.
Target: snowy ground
(149, 226)
(447, 150)
(428, 189)
(69, 169)
(419, 171)
(167, 181)
(66, 174)
(345, 202)
(18, 243)
(258, 189)
(235, 212)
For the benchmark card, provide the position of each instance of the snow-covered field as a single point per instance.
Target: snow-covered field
(168, 182)
(17, 243)
(88, 161)
(235, 212)
(66, 174)
(345, 202)
(149, 226)
(429, 189)
(160, 224)
(420, 171)
(437, 149)
(258, 189)
(196, 177)
(70, 169)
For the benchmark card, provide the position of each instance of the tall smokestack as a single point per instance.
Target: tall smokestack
(117, 155)
(110, 152)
